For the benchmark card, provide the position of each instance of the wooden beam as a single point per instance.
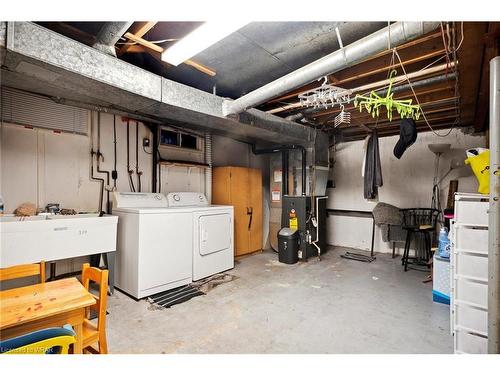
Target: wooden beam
(429, 37)
(389, 67)
(490, 51)
(450, 111)
(144, 42)
(402, 95)
(151, 47)
(374, 85)
(469, 69)
(419, 121)
(423, 95)
(360, 135)
(202, 68)
(382, 127)
(139, 31)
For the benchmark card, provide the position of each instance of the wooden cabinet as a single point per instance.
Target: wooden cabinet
(241, 188)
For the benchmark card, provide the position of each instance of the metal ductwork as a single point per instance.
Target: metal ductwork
(109, 34)
(390, 36)
(41, 61)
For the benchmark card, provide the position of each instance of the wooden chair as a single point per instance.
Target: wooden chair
(23, 270)
(96, 333)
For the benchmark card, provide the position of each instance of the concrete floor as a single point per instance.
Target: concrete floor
(332, 306)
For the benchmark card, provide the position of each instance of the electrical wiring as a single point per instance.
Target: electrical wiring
(416, 99)
(450, 46)
(129, 171)
(150, 41)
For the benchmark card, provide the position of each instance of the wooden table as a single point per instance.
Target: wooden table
(39, 306)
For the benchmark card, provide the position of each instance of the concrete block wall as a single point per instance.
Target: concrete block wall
(407, 183)
(42, 166)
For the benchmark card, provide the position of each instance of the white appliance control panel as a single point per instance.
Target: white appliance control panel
(139, 200)
(183, 199)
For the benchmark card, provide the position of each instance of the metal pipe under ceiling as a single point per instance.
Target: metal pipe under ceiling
(388, 37)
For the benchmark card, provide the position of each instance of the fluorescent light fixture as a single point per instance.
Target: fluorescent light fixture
(200, 39)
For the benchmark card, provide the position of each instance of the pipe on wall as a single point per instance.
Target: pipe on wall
(129, 170)
(282, 149)
(92, 153)
(393, 36)
(208, 171)
(137, 171)
(285, 158)
(494, 212)
(100, 156)
(155, 173)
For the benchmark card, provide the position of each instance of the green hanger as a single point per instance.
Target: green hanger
(373, 103)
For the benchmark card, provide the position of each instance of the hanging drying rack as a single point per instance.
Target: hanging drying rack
(374, 102)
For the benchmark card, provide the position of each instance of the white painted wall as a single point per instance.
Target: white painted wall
(41, 167)
(407, 183)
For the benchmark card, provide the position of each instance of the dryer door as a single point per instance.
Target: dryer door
(214, 232)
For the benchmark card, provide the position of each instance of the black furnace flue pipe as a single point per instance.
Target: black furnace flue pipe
(284, 154)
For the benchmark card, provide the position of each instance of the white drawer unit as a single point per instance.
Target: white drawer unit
(471, 319)
(471, 266)
(471, 209)
(472, 239)
(471, 292)
(469, 274)
(470, 343)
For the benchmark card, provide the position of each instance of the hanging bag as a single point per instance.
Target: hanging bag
(480, 165)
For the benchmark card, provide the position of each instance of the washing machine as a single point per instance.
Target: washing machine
(212, 236)
(154, 244)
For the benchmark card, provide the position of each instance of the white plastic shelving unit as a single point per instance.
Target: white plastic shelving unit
(469, 274)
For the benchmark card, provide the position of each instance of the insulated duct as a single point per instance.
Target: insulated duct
(390, 36)
(109, 34)
(41, 61)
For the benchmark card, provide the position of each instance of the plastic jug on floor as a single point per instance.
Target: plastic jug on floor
(444, 243)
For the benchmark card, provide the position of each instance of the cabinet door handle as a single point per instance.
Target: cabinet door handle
(250, 212)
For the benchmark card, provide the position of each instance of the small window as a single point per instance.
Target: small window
(168, 137)
(189, 141)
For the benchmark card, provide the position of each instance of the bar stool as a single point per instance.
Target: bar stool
(419, 223)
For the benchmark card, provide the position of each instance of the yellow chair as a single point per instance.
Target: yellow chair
(23, 270)
(92, 333)
(45, 341)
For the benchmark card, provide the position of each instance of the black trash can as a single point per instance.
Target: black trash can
(288, 245)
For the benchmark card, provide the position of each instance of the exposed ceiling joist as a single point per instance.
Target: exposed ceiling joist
(158, 49)
(491, 49)
(429, 37)
(140, 31)
(388, 67)
(374, 85)
(444, 88)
